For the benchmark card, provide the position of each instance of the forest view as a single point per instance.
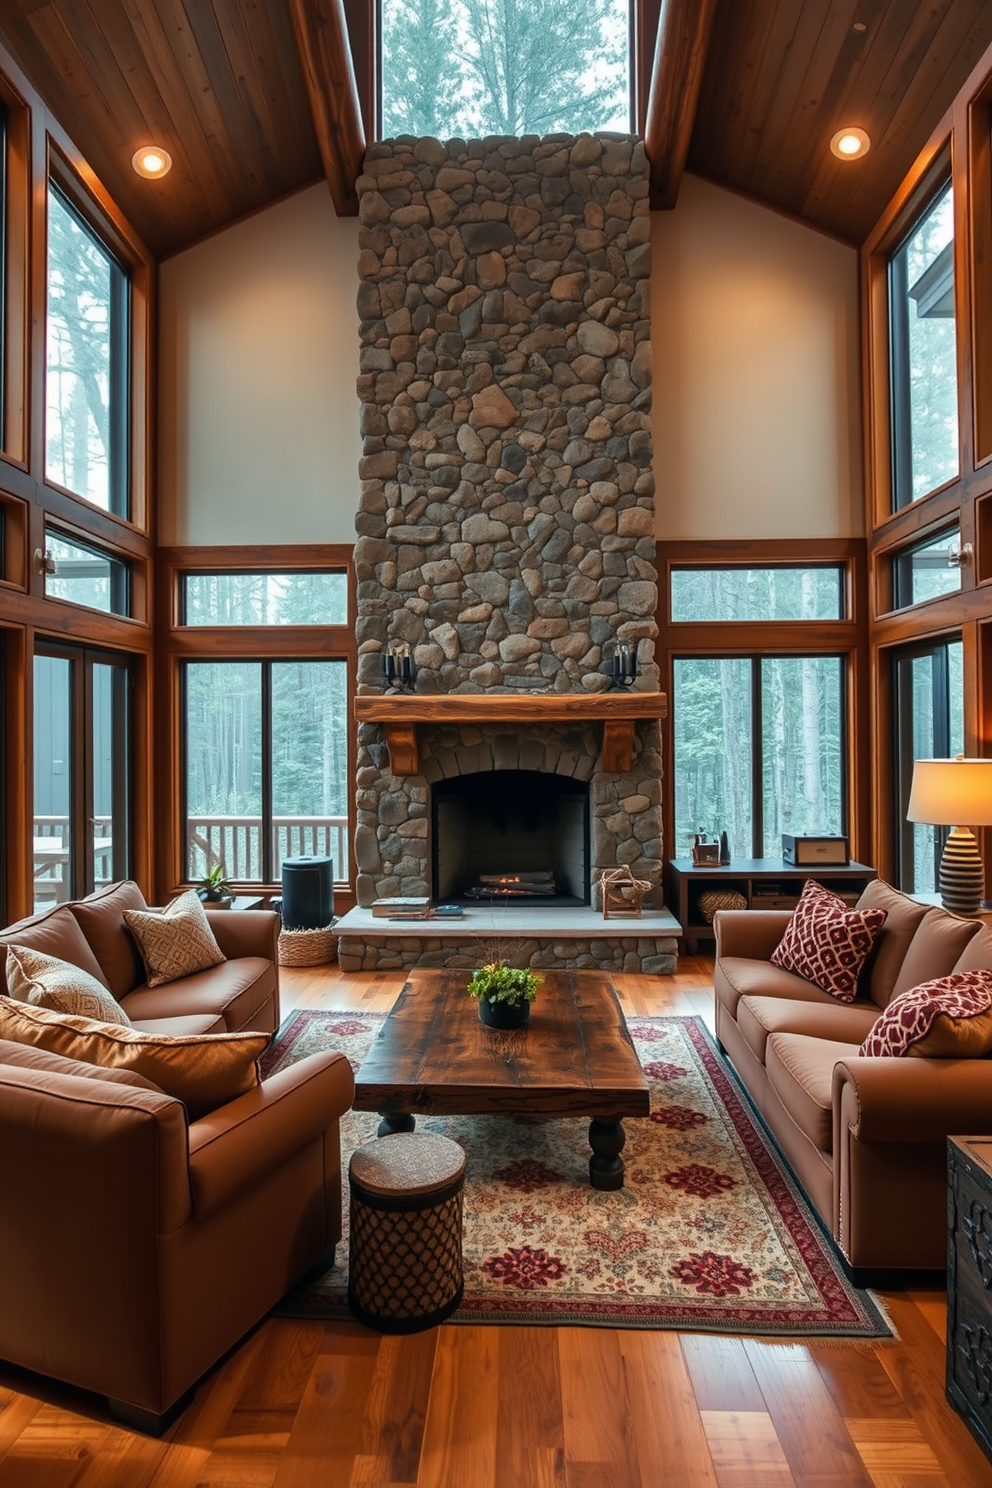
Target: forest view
(471, 68)
(736, 717)
(82, 278)
(302, 751)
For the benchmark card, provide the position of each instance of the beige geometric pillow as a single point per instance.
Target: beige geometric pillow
(204, 1070)
(175, 943)
(45, 981)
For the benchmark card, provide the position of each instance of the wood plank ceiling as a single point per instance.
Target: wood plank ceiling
(783, 75)
(219, 83)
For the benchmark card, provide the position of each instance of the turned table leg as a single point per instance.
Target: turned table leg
(606, 1138)
(395, 1121)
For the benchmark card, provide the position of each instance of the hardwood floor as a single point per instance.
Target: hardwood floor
(304, 1404)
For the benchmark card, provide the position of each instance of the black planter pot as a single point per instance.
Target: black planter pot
(503, 1014)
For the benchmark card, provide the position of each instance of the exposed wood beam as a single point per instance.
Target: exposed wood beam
(684, 28)
(325, 52)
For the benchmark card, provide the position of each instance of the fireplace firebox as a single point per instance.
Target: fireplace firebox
(511, 834)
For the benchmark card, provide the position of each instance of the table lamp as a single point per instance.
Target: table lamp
(946, 792)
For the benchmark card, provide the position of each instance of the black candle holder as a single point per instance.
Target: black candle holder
(623, 666)
(399, 670)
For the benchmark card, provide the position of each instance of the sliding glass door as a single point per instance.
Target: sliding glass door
(81, 772)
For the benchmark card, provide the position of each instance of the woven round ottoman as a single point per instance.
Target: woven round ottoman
(405, 1245)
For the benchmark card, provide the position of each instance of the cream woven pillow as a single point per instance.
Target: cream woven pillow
(175, 943)
(204, 1070)
(47, 982)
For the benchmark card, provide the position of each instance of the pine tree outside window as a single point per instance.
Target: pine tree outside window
(472, 68)
(86, 411)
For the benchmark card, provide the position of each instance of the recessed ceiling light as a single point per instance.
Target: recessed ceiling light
(859, 26)
(850, 144)
(152, 161)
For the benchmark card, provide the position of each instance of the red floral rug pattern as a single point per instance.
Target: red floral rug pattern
(710, 1231)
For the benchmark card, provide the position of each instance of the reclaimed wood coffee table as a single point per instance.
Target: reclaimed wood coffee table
(574, 1058)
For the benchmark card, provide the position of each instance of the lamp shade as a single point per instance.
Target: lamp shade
(951, 792)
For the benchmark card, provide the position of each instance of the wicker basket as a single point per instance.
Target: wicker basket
(714, 899)
(308, 947)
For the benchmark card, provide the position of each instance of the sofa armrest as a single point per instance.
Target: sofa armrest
(101, 1163)
(247, 1138)
(911, 1100)
(749, 933)
(247, 932)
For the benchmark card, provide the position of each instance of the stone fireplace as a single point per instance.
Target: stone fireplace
(507, 514)
(510, 836)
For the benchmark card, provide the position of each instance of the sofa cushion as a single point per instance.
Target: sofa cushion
(902, 919)
(48, 982)
(759, 1017)
(800, 1071)
(828, 943)
(101, 919)
(26, 1056)
(735, 977)
(977, 954)
(54, 933)
(934, 950)
(195, 1023)
(176, 942)
(204, 1070)
(949, 1018)
(234, 991)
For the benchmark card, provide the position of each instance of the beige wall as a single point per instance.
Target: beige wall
(756, 410)
(259, 438)
(756, 385)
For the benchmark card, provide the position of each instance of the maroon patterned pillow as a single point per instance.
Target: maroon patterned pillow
(826, 942)
(948, 1018)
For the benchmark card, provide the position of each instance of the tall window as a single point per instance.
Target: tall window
(81, 772)
(923, 354)
(929, 716)
(266, 765)
(471, 68)
(86, 382)
(3, 271)
(759, 750)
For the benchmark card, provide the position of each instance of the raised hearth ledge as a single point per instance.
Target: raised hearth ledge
(536, 935)
(400, 713)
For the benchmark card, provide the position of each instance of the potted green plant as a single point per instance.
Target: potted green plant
(504, 993)
(214, 888)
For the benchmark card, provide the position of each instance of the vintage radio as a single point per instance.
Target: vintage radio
(815, 852)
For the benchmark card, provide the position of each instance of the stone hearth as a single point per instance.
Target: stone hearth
(506, 526)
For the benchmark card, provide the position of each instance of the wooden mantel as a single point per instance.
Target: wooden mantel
(400, 714)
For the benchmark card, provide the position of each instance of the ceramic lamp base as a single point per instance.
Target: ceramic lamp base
(962, 876)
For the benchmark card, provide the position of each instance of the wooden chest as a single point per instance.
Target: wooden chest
(969, 1284)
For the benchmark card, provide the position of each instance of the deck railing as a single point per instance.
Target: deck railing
(235, 842)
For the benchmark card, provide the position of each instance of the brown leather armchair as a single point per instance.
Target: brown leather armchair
(134, 1249)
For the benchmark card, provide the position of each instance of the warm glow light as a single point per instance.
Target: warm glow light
(151, 161)
(850, 144)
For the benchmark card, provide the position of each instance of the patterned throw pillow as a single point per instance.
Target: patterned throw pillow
(948, 1018)
(45, 981)
(175, 943)
(826, 942)
(204, 1070)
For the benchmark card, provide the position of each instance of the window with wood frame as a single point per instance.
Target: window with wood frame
(260, 654)
(923, 354)
(760, 749)
(86, 382)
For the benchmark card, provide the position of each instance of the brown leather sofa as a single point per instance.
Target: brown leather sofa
(241, 993)
(866, 1137)
(136, 1248)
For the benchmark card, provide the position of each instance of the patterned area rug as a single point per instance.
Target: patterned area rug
(710, 1232)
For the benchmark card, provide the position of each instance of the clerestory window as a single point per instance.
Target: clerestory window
(471, 68)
